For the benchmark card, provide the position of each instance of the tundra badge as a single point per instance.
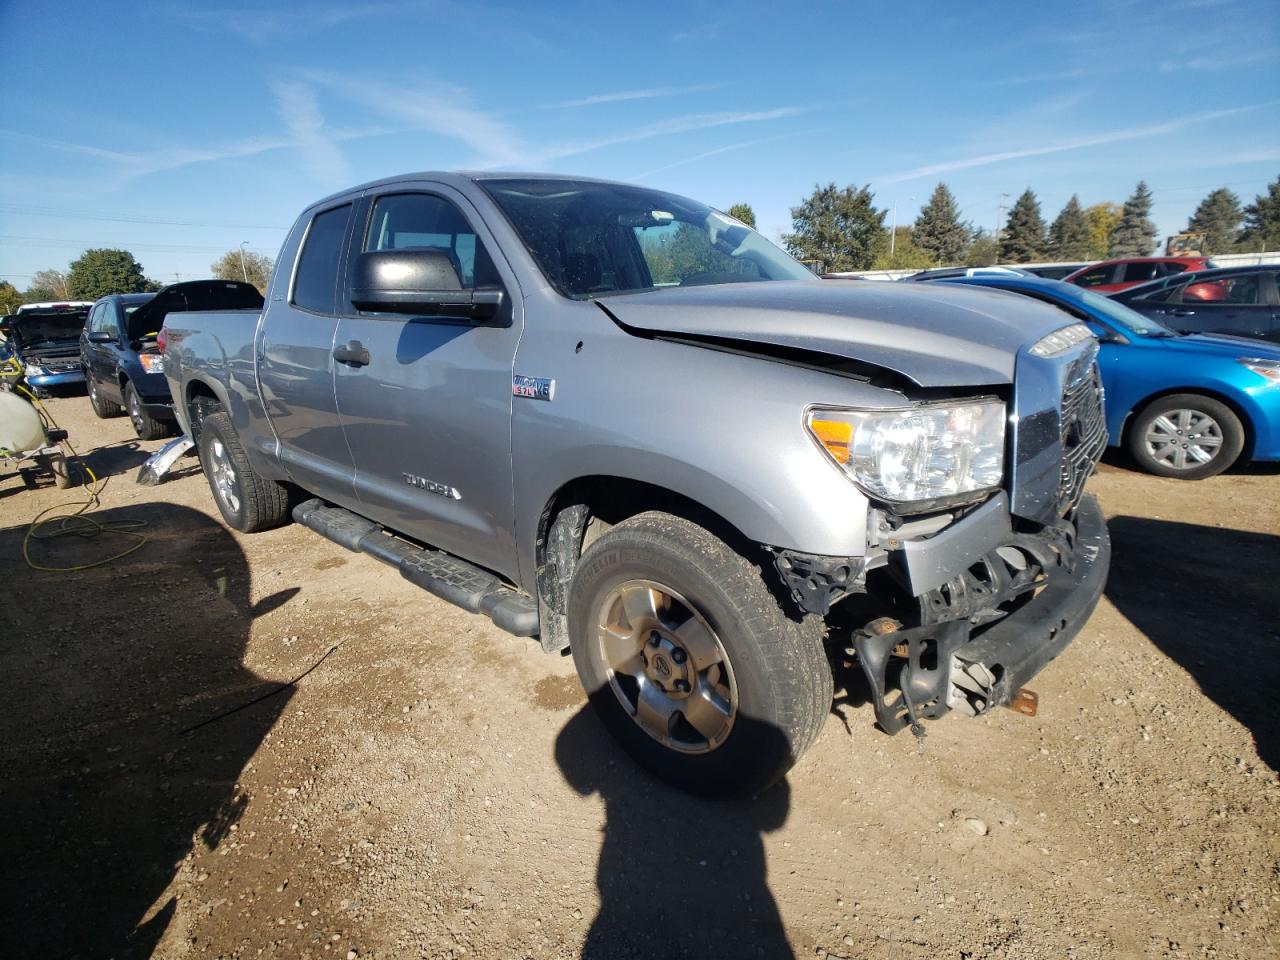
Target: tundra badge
(422, 483)
(533, 388)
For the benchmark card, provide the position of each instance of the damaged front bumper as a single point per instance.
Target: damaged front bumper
(988, 631)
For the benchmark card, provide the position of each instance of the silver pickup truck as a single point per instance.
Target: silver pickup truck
(622, 422)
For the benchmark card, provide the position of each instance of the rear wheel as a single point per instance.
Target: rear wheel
(690, 661)
(145, 426)
(248, 502)
(103, 407)
(1186, 436)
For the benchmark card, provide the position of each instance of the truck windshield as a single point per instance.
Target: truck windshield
(594, 239)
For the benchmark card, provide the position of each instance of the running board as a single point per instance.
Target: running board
(441, 574)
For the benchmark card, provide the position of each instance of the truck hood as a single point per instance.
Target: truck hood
(936, 335)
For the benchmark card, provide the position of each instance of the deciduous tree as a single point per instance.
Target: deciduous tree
(101, 271)
(1023, 238)
(938, 230)
(1135, 234)
(47, 285)
(10, 298)
(1102, 218)
(982, 250)
(743, 212)
(256, 268)
(840, 227)
(1069, 235)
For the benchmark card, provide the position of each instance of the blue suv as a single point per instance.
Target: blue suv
(124, 370)
(1184, 405)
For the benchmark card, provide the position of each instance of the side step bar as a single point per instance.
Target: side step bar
(442, 574)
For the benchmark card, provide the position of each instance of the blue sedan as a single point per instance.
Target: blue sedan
(1184, 405)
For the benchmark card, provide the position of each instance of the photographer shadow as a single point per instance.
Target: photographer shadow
(128, 719)
(678, 876)
(1207, 598)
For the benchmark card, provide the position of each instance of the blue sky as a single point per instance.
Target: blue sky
(178, 130)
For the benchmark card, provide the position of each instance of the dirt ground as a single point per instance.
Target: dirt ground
(266, 746)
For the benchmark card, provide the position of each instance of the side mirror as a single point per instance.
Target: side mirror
(418, 282)
(100, 336)
(1104, 333)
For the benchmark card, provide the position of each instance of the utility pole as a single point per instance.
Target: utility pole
(999, 212)
(244, 272)
(893, 228)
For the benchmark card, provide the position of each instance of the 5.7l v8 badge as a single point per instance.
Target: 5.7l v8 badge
(533, 388)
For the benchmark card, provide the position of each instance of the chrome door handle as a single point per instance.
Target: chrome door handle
(353, 354)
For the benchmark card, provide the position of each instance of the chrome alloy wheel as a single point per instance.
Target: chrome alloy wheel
(1184, 439)
(666, 666)
(135, 410)
(224, 475)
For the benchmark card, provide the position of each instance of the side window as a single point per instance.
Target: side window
(1243, 291)
(1169, 269)
(1095, 277)
(423, 221)
(94, 323)
(316, 283)
(1139, 272)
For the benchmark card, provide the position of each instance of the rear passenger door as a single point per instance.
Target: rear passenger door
(427, 407)
(1232, 305)
(295, 358)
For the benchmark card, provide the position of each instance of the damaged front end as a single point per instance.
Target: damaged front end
(980, 636)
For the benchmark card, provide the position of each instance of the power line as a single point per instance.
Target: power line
(159, 221)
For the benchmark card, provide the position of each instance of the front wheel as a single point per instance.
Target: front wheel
(1186, 436)
(145, 426)
(691, 662)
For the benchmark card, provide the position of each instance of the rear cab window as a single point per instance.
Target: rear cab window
(1095, 277)
(315, 282)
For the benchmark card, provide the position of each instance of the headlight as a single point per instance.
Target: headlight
(34, 370)
(1266, 369)
(1061, 340)
(926, 452)
(152, 362)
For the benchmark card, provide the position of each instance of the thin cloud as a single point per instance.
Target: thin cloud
(725, 149)
(1228, 59)
(298, 109)
(649, 94)
(1114, 136)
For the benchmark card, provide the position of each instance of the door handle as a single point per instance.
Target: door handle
(1182, 312)
(353, 354)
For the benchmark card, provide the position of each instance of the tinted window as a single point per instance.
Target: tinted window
(1095, 277)
(1169, 269)
(422, 221)
(317, 279)
(1139, 272)
(1240, 291)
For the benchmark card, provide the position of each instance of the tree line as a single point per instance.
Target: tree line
(105, 270)
(843, 228)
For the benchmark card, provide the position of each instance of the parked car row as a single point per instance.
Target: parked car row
(109, 345)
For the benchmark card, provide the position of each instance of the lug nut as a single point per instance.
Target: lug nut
(678, 655)
(682, 686)
(654, 639)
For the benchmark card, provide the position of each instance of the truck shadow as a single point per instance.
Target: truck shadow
(678, 876)
(114, 767)
(1207, 598)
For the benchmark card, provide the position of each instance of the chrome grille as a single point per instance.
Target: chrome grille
(1084, 436)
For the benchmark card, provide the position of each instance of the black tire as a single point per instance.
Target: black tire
(255, 503)
(102, 407)
(783, 678)
(145, 426)
(1221, 435)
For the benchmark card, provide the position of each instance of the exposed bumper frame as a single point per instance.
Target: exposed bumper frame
(947, 668)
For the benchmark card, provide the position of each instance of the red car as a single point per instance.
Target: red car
(1112, 275)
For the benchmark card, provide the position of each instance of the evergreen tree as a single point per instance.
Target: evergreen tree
(982, 250)
(938, 230)
(1069, 235)
(1135, 235)
(1262, 220)
(1218, 218)
(743, 212)
(907, 255)
(1023, 238)
(842, 228)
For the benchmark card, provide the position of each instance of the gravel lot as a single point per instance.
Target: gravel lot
(268, 746)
